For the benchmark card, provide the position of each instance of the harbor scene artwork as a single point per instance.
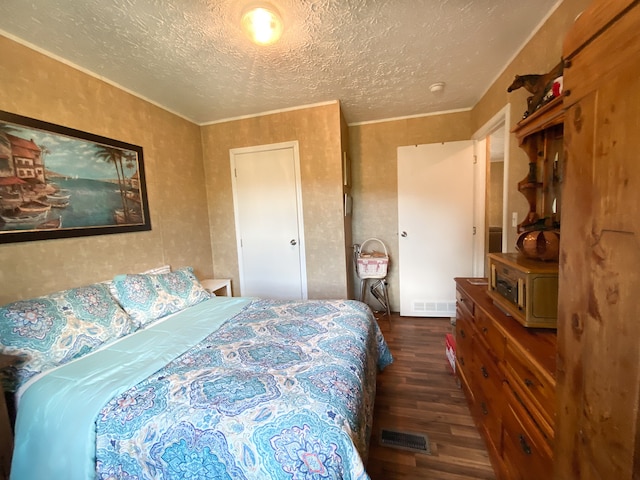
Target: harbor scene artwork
(57, 182)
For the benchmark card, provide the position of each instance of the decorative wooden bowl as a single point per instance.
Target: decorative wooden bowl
(539, 244)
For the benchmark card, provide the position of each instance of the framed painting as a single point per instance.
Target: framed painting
(57, 182)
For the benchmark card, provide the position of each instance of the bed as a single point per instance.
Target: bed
(150, 377)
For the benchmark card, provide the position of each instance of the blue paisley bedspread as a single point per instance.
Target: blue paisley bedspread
(282, 390)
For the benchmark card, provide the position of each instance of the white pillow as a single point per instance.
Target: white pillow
(157, 270)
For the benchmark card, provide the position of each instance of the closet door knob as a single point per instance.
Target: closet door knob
(403, 234)
(293, 242)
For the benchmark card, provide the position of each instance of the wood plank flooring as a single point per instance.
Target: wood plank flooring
(419, 393)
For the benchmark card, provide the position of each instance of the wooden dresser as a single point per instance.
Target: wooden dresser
(507, 372)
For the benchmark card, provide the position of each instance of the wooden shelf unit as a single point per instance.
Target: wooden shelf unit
(540, 135)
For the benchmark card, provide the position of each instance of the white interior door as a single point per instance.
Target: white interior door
(268, 215)
(435, 223)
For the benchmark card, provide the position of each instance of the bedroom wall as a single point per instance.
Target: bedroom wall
(539, 55)
(38, 86)
(496, 191)
(374, 145)
(375, 180)
(317, 129)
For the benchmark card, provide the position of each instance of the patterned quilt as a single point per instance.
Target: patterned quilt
(284, 390)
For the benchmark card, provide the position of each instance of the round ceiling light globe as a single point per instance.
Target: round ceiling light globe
(262, 23)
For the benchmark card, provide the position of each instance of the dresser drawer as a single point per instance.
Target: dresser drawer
(463, 374)
(464, 301)
(526, 453)
(489, 399)
(464, 334)
(532, 385)
(490, 334)
(486, 371)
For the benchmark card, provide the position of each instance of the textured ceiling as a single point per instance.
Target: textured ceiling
(376, 57)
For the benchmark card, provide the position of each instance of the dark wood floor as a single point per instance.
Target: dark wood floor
(419, 393)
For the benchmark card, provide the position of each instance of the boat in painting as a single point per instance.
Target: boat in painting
(59, 196)
(50, 224)
(34, 206)
(133, 195)
(132, 216)
(23, 218)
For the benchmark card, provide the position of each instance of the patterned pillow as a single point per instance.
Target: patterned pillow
(54, 329)
(147, 297)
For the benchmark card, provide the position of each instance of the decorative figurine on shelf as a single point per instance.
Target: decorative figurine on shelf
(543, 88)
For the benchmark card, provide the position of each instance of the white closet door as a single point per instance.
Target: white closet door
(435, 224)
(268, 214)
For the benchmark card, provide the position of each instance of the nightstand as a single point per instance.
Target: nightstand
(213, 285)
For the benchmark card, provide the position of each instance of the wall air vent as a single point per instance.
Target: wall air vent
(434, 309)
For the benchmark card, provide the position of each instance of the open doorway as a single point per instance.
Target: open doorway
(495, 189)
(491, 189)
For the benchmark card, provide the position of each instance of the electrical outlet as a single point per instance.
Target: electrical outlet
(514, 219)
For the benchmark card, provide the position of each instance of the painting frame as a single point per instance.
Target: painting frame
(59, 182)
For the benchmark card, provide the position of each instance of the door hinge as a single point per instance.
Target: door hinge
(475, 159)
(474, 230)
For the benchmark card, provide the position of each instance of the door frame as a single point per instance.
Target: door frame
(294, 145)
(502, 117)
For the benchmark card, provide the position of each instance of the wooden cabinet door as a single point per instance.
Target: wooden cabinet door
(598, 424)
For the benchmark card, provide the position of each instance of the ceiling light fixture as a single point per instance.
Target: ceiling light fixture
(262, 23)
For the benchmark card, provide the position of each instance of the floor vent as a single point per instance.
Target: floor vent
(409, 441)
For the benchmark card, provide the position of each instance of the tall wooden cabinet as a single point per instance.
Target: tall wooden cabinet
(598, 377)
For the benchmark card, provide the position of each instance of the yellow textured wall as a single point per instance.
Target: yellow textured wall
(539, 55)
(496, 190)
(374, 146)
(37, 86)
(317, 129)
(34, 85)
(374, 153)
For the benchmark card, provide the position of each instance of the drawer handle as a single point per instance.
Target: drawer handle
(528, 383)
(485, 411)
(462, 334)
(485, 374)
(525, 447)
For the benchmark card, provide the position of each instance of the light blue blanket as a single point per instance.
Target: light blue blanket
(55, 426)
